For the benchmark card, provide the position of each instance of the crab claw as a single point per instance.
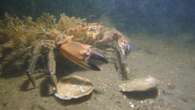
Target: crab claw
(93, 57)
(98, 56)
(81, 54)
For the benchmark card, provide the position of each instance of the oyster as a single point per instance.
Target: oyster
(140, 84)
(73, 87)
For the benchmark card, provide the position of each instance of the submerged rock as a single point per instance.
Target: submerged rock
(73, 87)
(140, 84)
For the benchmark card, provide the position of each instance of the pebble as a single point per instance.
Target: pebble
(131, 105)
(141, 101)
(171, 86)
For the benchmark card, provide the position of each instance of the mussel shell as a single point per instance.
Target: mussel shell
(139, 84)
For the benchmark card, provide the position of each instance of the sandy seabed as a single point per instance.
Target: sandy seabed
(171, 59)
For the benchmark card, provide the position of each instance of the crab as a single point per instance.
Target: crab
(82, 44)
(78, 51)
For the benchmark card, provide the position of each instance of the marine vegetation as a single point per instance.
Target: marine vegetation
(23, 40)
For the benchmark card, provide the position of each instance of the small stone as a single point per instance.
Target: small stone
(183, 99)
(171, 85)
(165, 92)
(124, 96)
(141, 101)
(131, 105)
(150, 102)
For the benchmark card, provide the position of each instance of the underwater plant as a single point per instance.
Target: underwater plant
(17, 35)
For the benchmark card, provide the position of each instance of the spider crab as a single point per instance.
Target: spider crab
(78, 41)
(79, 45)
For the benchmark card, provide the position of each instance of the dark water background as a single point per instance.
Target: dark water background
(156, 16)
(164, 37)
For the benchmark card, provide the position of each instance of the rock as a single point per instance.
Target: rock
(140, 84)
(171, 85)
(131, 105)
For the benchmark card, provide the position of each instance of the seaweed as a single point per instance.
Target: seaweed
(18, 35)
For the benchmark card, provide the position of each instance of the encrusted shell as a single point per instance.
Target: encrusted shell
(73, 87)
(140, 84)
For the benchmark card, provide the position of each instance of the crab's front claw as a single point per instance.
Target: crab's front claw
(97, 56)
(93, 57)
(81, 54)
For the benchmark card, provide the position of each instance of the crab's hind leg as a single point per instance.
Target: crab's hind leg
(121, 63)
(31, 68)
(122, 49)
(52, 68)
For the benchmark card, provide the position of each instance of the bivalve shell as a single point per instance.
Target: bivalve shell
(73, 87)
(139, 84)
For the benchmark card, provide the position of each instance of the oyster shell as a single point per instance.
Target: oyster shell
(140, 84)
(73, 87)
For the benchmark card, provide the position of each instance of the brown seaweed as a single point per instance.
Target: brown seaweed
(17, 35)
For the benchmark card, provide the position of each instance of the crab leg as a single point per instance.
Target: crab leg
(35, 55)
(52, 67)
(121, 64)
(122, 50)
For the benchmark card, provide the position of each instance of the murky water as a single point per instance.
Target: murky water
(163, 40)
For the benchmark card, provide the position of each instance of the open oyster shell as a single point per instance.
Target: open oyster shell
(73, 87)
